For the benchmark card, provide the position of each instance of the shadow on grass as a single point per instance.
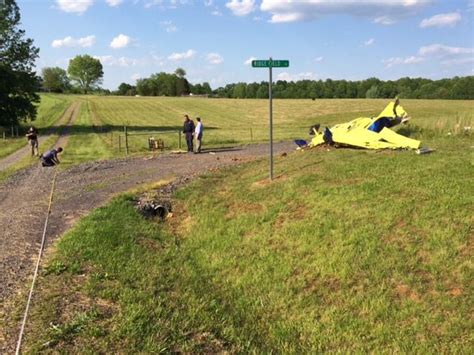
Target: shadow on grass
(78, 129)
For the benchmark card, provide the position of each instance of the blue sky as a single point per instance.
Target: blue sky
(214, 40)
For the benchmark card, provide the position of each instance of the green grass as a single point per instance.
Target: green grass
(347, 250)
(230, 121)
(85, 143)
(50, 110)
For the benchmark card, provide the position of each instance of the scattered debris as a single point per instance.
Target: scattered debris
(157, 203)
(424, 150)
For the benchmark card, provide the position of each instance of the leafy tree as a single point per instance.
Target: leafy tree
(86, 71)
(373, 92)
(206, 88)
(125, 89)
(55, 79)
(18, 81)
(180, 72)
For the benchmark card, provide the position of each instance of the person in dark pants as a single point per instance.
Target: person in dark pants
(188, 130)
(50, 158)
(198, 135)
(32, 136)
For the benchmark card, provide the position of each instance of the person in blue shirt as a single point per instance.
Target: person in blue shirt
(198, 135)
(50, 158)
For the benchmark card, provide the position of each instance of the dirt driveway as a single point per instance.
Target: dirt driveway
(24, 201)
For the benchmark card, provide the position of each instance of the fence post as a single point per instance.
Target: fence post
(120, 143)
(16, 128)
(179, 139)
(126, 140)
(4, 138)
(13, 133)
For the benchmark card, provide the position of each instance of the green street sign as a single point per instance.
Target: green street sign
(270, 63)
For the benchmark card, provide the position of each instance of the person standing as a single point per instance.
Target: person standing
(32, 136)
(198, 135)
(50, 158)
(188, 130)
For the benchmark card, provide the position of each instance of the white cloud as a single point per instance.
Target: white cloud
(382, 11)
(241, 7)
(441, 20)
(135, 77)
(318, 59)
(385, 20)
(214, 58)
(168, 26)
(165, 4)
(208, 2)
(77, 6)
(110, 60)
(114, 3)
(249, 61)
(69, 41)
(400, 60)
(369, 42)
(441, 50)
(216, 13)
(295, 77)
(121, 41)
(190, 53)
(458, 61)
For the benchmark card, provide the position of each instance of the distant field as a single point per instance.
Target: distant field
(50, 110)
(233, 121)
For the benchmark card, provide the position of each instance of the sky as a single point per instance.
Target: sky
(215, 40)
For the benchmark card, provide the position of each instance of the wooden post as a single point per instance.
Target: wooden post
(179, 139)
(13, 133)
(126, 140)
(120, 142)
(16, 128)
(4, 138)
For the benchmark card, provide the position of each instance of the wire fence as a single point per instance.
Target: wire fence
(134, 141)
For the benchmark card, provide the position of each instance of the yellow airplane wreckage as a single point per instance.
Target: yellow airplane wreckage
(368, 133)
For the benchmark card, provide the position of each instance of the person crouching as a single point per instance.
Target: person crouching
(50, 158)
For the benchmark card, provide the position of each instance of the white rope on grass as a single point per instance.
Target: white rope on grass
(43, 239)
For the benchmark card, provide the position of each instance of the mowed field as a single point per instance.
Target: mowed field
(229, 122)
(346, 250)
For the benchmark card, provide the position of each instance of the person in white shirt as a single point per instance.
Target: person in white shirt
(198, 134)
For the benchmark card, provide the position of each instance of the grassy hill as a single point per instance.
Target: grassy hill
(347, 250)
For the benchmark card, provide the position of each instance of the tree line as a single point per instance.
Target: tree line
(410, 88)
(163, 84)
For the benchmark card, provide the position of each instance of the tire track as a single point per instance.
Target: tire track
(67, 119)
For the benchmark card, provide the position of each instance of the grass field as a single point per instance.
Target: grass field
(50, 110)
(229, 121)
(347, 250)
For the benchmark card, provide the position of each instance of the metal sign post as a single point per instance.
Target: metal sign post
(270, 64)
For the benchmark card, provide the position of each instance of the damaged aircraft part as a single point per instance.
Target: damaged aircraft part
(369, 133)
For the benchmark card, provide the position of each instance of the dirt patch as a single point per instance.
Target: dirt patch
(294, 212)
(403, 291)
(456, 291)
(267, 181)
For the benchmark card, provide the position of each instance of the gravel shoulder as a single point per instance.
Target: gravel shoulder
(24, 204)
